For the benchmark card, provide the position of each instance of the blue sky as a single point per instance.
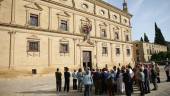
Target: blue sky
(145, 14)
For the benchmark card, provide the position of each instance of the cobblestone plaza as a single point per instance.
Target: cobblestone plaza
(45, 86)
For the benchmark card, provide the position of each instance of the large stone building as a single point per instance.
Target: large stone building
(38, 34)
(143, 51)
(168, 45)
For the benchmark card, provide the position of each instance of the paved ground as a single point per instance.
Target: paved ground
(45, 86)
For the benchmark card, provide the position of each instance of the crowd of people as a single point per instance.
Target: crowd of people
(118, 80)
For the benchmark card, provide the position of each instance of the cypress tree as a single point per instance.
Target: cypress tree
(146, 38)
(159, 38)
(141, 39)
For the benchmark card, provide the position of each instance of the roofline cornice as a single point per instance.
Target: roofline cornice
(97, 2)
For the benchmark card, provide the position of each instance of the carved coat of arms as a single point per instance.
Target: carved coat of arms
(86, 27)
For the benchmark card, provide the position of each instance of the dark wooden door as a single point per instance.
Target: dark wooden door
(87, 60)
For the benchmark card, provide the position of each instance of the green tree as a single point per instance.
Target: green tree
(160, 56)
(159, 38)
(168, 55)
(146, 38)
(141, 39)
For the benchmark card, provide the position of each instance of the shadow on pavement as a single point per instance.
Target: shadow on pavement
(38, 92)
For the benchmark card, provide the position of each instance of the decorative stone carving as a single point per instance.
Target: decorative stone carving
(64, 14)
(86, 43)
(34, 37)
(103, 24)
(35, 6)
(33, 54)
(102, 12)
(104, 44)
(86, 27)
(84, 6)
(64, 40)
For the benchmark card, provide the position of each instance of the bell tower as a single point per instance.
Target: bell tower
(125, 7)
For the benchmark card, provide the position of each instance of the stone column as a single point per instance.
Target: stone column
(123, 54)
(111, 49)
(96, 42)
(75, 52)
(95, 25)
(80, 57)
(110, 37)
(74, 23)
(11, 49)
(49, 52)
(49, 18)
(13, 12)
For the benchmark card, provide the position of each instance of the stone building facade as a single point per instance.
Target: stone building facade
(143, 51)
(168, 45)
(38, 34)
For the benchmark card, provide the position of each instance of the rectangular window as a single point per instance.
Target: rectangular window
(104, 50)
(137, 52)
(148, 51)
(136, 45)
(148, 58)
(116, 36)
(64, 48)
(117, 51)
(103, 33)
(127, 37)
(33, 46)
(34, 19)
(64, 25)
(128, 51)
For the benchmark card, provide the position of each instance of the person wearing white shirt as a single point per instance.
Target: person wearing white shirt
(74, 75)
(131, 75)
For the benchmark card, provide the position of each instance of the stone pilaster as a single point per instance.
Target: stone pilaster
(11, 49)
(13, 12)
